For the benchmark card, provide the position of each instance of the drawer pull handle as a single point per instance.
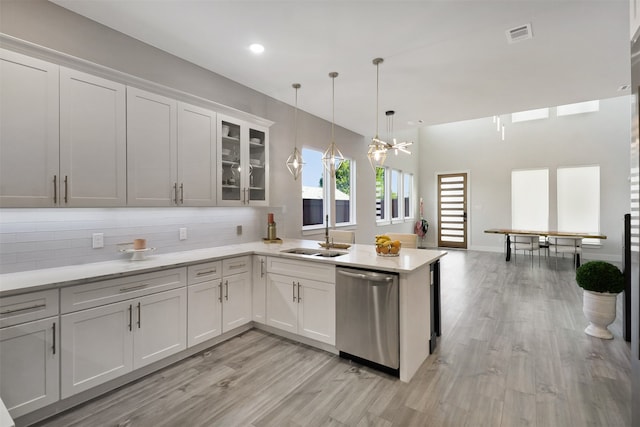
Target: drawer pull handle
(17, 310)
(202, 273)
(234, 266)
(53, 330)
(134, 288)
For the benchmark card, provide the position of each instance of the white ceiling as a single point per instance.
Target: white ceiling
(444, 60)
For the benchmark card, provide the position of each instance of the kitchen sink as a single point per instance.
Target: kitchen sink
(314, 252)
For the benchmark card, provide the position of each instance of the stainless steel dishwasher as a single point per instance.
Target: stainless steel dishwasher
(367, 322)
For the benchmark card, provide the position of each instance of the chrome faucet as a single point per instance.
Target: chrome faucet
(326, 232)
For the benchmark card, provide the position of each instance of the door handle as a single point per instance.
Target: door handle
(130, 317)
(262, 268)
(220, 292)
(55, 189)
(175, 193)
(53, 330)
(226, 290)
(66, 189)
(182, 193)
(139, 316)
(293, 289)
(299, 299)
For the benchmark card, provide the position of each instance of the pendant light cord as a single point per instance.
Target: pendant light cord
(333, 106)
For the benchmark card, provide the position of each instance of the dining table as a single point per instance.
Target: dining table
(546, 233)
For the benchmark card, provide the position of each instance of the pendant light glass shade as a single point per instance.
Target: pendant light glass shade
(295, 162)
(332, 157)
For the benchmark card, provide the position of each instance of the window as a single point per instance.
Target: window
(394, 195)
(408, 199)
(395, 190)
(525, 116)
(579, 108)
(316, 196)
(530, 199)
(381, 178)
(579, 200)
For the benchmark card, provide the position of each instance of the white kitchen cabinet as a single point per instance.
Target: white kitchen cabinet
(243, 163)
(196, 156)
(259, 288)
(301, 298)
(29, 351)
(29, 365)
(219, 297)
(29, 131)
(92, 141)
(171, 152)
(114, 326)
(152, 149)
(236, 299)
(204, 302)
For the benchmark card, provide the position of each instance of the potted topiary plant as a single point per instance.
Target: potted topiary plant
(601, 282)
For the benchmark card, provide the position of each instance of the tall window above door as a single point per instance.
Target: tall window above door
(319, 188)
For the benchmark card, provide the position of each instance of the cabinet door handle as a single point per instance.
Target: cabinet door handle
(139, 316)
(181, 193)
(17, 310)
(293, 289)
(130, 317)
(220, 291)
(261, 268)
(175, 193)
(55, 189)
(202, 273)
(66, 189)
(226, 290)
(299, 299)
(53, 330)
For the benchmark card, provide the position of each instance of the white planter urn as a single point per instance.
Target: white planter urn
(600, 310)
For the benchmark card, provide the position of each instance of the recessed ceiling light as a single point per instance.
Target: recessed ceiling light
(256, 48)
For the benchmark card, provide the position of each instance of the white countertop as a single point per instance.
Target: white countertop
(363, 256)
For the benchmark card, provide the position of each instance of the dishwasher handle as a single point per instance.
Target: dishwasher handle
(371, 276)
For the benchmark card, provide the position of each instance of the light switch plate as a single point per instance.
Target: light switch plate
(183, 233)
(97, 240)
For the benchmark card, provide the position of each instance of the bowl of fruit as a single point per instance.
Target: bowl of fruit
(387, 247)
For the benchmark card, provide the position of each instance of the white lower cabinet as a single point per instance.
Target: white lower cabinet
(29, 370)
(219, 297)
(103, 343)
(301, 305)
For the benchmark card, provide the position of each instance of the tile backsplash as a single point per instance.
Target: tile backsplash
(32, 239)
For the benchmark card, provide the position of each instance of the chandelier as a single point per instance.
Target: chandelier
(332, 157)
(295, 162)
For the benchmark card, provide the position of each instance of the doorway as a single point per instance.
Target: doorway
(452, 210)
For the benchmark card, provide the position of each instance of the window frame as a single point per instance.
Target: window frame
(386, 207)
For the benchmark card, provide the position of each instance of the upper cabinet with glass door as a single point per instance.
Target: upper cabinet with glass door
(243, 163)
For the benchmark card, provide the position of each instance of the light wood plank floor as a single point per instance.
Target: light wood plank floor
(512, 353)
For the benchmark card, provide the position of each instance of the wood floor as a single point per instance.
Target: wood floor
(512, 353)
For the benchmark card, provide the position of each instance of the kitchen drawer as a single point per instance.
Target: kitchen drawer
(302, 269)
(236, 265)
(204, 272)
(28, 307)
(90, 295)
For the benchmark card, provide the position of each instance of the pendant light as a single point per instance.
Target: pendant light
(377, 152)
(332, 157)
(295, 162)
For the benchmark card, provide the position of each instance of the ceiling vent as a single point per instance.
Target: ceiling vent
(517, 34)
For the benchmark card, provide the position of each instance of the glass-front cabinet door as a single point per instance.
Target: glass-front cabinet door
(243, 160)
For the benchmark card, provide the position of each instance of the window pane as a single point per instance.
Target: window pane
(530, 199)
(395, 183)
(408, 190)
(579, 199)
(380, 193)
(343, 192)
(312, 189)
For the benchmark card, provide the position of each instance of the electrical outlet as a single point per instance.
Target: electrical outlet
(97, 240)
(183, 233)
(239, 230)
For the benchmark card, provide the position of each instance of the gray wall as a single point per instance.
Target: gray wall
(475, 147)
